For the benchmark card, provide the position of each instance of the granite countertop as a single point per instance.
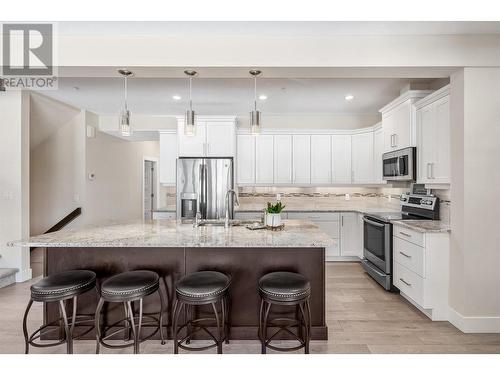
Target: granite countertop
(172, 233)
(424, 226)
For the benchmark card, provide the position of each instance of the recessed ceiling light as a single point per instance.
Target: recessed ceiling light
(262, 97)
(176, 97)
(349, 97)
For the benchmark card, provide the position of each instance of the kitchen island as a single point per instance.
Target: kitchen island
(173, 249)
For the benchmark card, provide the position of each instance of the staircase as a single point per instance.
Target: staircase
(7, 276)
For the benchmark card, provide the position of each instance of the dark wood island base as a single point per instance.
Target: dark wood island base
(244, 265)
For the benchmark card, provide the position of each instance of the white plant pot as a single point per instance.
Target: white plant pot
(273, 220)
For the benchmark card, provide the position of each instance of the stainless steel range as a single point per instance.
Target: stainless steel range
(377, 227)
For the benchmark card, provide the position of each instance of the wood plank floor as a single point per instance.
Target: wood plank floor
(362, 318)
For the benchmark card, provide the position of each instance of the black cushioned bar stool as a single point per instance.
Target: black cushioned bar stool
(285, 289)
(60, 287)
(126, 288)
(197, 289)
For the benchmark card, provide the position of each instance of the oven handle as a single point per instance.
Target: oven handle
(381, 225)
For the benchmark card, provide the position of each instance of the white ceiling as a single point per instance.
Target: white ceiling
(263, 29)
(226, 96)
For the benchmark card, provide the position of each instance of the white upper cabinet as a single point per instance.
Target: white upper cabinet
(264, 156)
(245, 159)
(301, 159)
(282, 159)
(378, 150)
(398, 121)
(433, 138)
(362, 158)
(192, 145)
(321, 159)
(220, 138)
(212, 137)
(168, 157)
(341, 159)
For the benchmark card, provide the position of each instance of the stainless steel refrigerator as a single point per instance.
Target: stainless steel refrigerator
(202, 184)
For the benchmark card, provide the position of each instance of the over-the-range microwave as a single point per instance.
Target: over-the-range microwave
(399, 165)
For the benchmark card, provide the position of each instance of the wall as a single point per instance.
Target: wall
(14, 180)
(57, 169)
(475, 254)
(315, 121)
(116, 191)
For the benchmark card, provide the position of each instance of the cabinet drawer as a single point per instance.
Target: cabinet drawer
(315, 216)
(409, 235)
(409, 255)
(409, 283)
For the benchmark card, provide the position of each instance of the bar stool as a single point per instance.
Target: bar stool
(60, 287)
(285, 289)
(126, 288)
(197, 289)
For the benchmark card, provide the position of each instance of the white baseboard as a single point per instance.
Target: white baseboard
(23, 275)
(475, 324)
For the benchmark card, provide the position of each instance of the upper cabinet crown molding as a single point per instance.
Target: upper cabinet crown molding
(295, 131)
(411, 94)
(436, 95)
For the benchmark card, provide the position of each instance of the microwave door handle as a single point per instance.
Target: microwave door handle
(380, 225)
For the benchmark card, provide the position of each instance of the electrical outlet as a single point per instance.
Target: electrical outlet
(348, 197)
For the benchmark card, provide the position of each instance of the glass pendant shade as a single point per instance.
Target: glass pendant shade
(255, 122)
(125, 128)
(189, 124)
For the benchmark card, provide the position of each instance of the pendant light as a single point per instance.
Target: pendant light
(255, 114)
(189, 123)
(124, 118)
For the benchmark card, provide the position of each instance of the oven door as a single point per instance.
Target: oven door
(378, 243)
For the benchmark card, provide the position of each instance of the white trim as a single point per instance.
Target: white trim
(157, 179)
(411, 94)
(168, 131)
(272, 131)
(474, 324)
(431, 98)
(23, 275)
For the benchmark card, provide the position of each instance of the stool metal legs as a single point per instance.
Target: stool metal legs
(131, 324)
(67, 323)
(193, 325)
(302, 323)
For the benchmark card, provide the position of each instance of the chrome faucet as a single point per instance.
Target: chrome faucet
(237, 202)
(197, 219)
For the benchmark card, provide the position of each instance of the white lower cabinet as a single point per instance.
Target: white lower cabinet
(421, 270)
(351, 235)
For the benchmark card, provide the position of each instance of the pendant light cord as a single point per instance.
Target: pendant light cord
(126, 93)
(190, 93)
(255, 93)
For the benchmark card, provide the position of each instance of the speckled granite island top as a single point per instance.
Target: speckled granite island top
(172, 233)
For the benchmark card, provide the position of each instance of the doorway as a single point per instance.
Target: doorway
(149, 192)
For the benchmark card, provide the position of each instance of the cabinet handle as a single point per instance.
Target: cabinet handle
(405, 282)
(395, 140)
(342, 221)
(405, 234)
(405, 255)
(432, 170)
(428, 170)
(392, 140)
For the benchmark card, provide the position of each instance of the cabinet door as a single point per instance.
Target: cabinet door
(332, 229)
(301, 159)
(341, 159)
(282, 159)
(321, 159)
(168, 157)
(220, 138)
(388, 130)
(192, 145)
(402, 125)
(378, 150)
(245, 159)
(264, 157)
(425, 143)
(441, 169)
(349, 235)
(362, 158)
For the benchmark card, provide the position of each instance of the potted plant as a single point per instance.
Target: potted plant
(273, 214)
